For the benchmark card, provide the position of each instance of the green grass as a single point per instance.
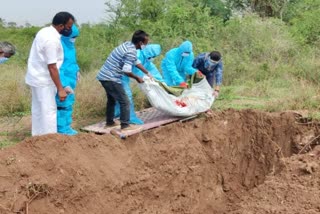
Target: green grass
(7, 143)
(315, 115)
(14, 129)
(274, 94)
(265, 67)
(8, 139)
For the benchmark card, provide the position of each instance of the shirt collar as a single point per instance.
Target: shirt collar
(56, 33)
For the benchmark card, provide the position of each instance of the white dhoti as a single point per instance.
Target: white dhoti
(44, 110)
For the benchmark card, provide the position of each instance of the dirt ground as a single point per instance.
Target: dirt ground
(230, 162)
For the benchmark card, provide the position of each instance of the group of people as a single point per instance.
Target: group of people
(53, 72)
(133, 59)
(52, 75)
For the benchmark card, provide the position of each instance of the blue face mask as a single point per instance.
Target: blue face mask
(210, 65)
(185, 54)
(3, 59)
(143, 46)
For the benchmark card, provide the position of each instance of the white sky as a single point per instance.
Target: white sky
(41, 12)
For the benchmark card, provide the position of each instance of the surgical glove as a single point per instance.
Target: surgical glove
(183, 85)
(200, 74)
(68, 90)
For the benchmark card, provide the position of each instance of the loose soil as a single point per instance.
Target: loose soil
(230, 162)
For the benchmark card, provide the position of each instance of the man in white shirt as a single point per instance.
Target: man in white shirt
(45, 59)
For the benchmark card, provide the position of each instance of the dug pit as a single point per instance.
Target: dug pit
(208, 165)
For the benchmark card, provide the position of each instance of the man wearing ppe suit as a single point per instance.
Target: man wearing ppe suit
(119, 63)
(7, 50)
(69, 73)
(145, 57)
(177, 64)
(210, 65)
(45, 59)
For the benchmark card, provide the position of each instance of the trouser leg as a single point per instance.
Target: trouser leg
(115, 92)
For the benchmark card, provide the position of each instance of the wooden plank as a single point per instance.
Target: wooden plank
(152, 118)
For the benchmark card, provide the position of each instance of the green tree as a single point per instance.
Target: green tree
(12, 24)
(123, 13)
(305, 20)
(264, 8)
(2, 22)
(217, 8)
(152, 10)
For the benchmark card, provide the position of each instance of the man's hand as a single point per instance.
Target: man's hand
(149, 75)
(140, 66)
(183, 85)
(54, 73)
(62, 95)
(139, 80)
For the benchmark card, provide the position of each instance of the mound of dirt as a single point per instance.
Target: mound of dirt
(231, 162)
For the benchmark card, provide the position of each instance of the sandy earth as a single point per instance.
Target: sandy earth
(231, 162)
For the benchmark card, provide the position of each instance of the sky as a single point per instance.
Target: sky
(41, 12)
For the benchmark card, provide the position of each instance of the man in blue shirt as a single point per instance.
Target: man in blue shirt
(210, 65)
(119, 63)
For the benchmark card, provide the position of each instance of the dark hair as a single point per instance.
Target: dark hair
(62, 18)
(139, 36)
(215, 55)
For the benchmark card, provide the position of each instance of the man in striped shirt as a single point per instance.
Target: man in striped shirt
(119, 63)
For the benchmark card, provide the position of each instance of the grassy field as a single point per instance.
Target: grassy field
(278, 94)
(265, 66)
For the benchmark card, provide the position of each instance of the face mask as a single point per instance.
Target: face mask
(209, 64)
(143, 46)
(72, 40)
(185, 54)
(65, 32)
(3, 59)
